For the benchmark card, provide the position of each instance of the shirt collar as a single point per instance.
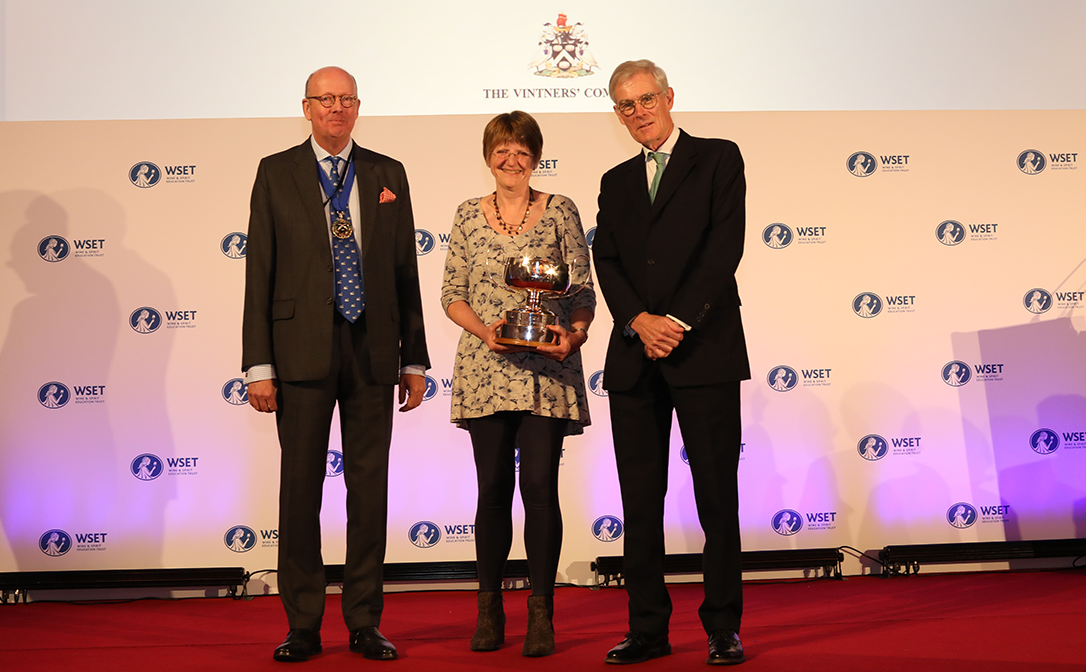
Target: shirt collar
(323, 154)
(667, 148)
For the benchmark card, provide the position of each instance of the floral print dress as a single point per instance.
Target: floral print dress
(485, 382)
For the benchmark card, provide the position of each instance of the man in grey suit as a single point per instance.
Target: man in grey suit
(668, 241)
(333, 316)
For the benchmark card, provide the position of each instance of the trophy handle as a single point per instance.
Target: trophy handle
(573, 264)
(490, 274)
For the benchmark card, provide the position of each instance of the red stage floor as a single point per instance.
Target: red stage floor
(991, 622)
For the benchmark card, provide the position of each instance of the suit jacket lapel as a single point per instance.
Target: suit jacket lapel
(682, 161)
(368, 198)
(309, 192)
(639, 187)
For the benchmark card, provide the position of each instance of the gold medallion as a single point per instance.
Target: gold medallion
(341, 228)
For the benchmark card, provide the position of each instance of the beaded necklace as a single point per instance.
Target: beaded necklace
(527, 211)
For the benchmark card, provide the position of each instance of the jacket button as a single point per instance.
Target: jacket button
(329, 302)
(330, 268)
(651, 262)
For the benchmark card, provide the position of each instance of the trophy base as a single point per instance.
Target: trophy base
(526, 329)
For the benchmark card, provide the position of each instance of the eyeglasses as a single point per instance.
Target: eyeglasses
(647, 101)
(506, 153)
(328, 100)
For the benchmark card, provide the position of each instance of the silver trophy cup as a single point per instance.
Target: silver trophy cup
(535, 278)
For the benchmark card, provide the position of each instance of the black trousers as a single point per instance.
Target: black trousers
(710, 424)
(304, 420)
(494, 439)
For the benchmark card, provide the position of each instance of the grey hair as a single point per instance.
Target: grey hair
(628, 69)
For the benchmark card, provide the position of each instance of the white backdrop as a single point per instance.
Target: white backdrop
(1007, 445)
(804, 83)
(132, 59)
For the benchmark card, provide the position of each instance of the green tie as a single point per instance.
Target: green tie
(659, 158)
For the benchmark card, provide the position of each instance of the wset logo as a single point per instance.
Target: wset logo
(236, 392)
(867, 304)
(1037, 300)
(424, 242)
(607, 528)
(55, 543)
(233, 245)
(144, 174)
(431, 389)
(782, 378)
(950, 233)
(146, 467)
(1031, 162)
(563, 51)
(777, 236)
(54, 249)
(145, 320)
(961, 515)
(1044, 441)
(787, 522)
(424, 534)
(872, 447)
(54, 394)
(956, 373)
(546, 168)
(240, 539)
(595, 384)
(590, 236)
(335, 464)
(862, 164)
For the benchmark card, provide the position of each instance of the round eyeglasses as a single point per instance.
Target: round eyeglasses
(328, 100)
(647, 101)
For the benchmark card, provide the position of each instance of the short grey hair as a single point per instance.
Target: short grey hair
(628, 69)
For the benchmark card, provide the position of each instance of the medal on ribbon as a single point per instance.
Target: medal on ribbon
(341, 228)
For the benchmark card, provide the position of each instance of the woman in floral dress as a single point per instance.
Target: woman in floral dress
(514, 397)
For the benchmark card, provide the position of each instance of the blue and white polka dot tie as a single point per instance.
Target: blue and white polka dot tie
(350, 291)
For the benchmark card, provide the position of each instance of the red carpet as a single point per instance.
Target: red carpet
(991, 622)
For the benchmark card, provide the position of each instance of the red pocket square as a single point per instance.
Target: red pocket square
(386, 196)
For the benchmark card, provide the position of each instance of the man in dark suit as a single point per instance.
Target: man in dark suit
(668, 241)
(320, 331)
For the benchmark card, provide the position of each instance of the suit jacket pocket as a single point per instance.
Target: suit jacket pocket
(283, 309)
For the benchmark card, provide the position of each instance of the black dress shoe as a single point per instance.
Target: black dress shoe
(372, 644)
(725, 648)
(298, 646)
(638, 647)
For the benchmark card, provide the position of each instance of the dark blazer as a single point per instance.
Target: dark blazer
(676, 256)
(289, 281)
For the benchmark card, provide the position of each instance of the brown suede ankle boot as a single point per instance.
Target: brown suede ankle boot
(490, 630)
(539, 641)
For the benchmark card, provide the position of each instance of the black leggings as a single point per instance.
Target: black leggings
(494, 439)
